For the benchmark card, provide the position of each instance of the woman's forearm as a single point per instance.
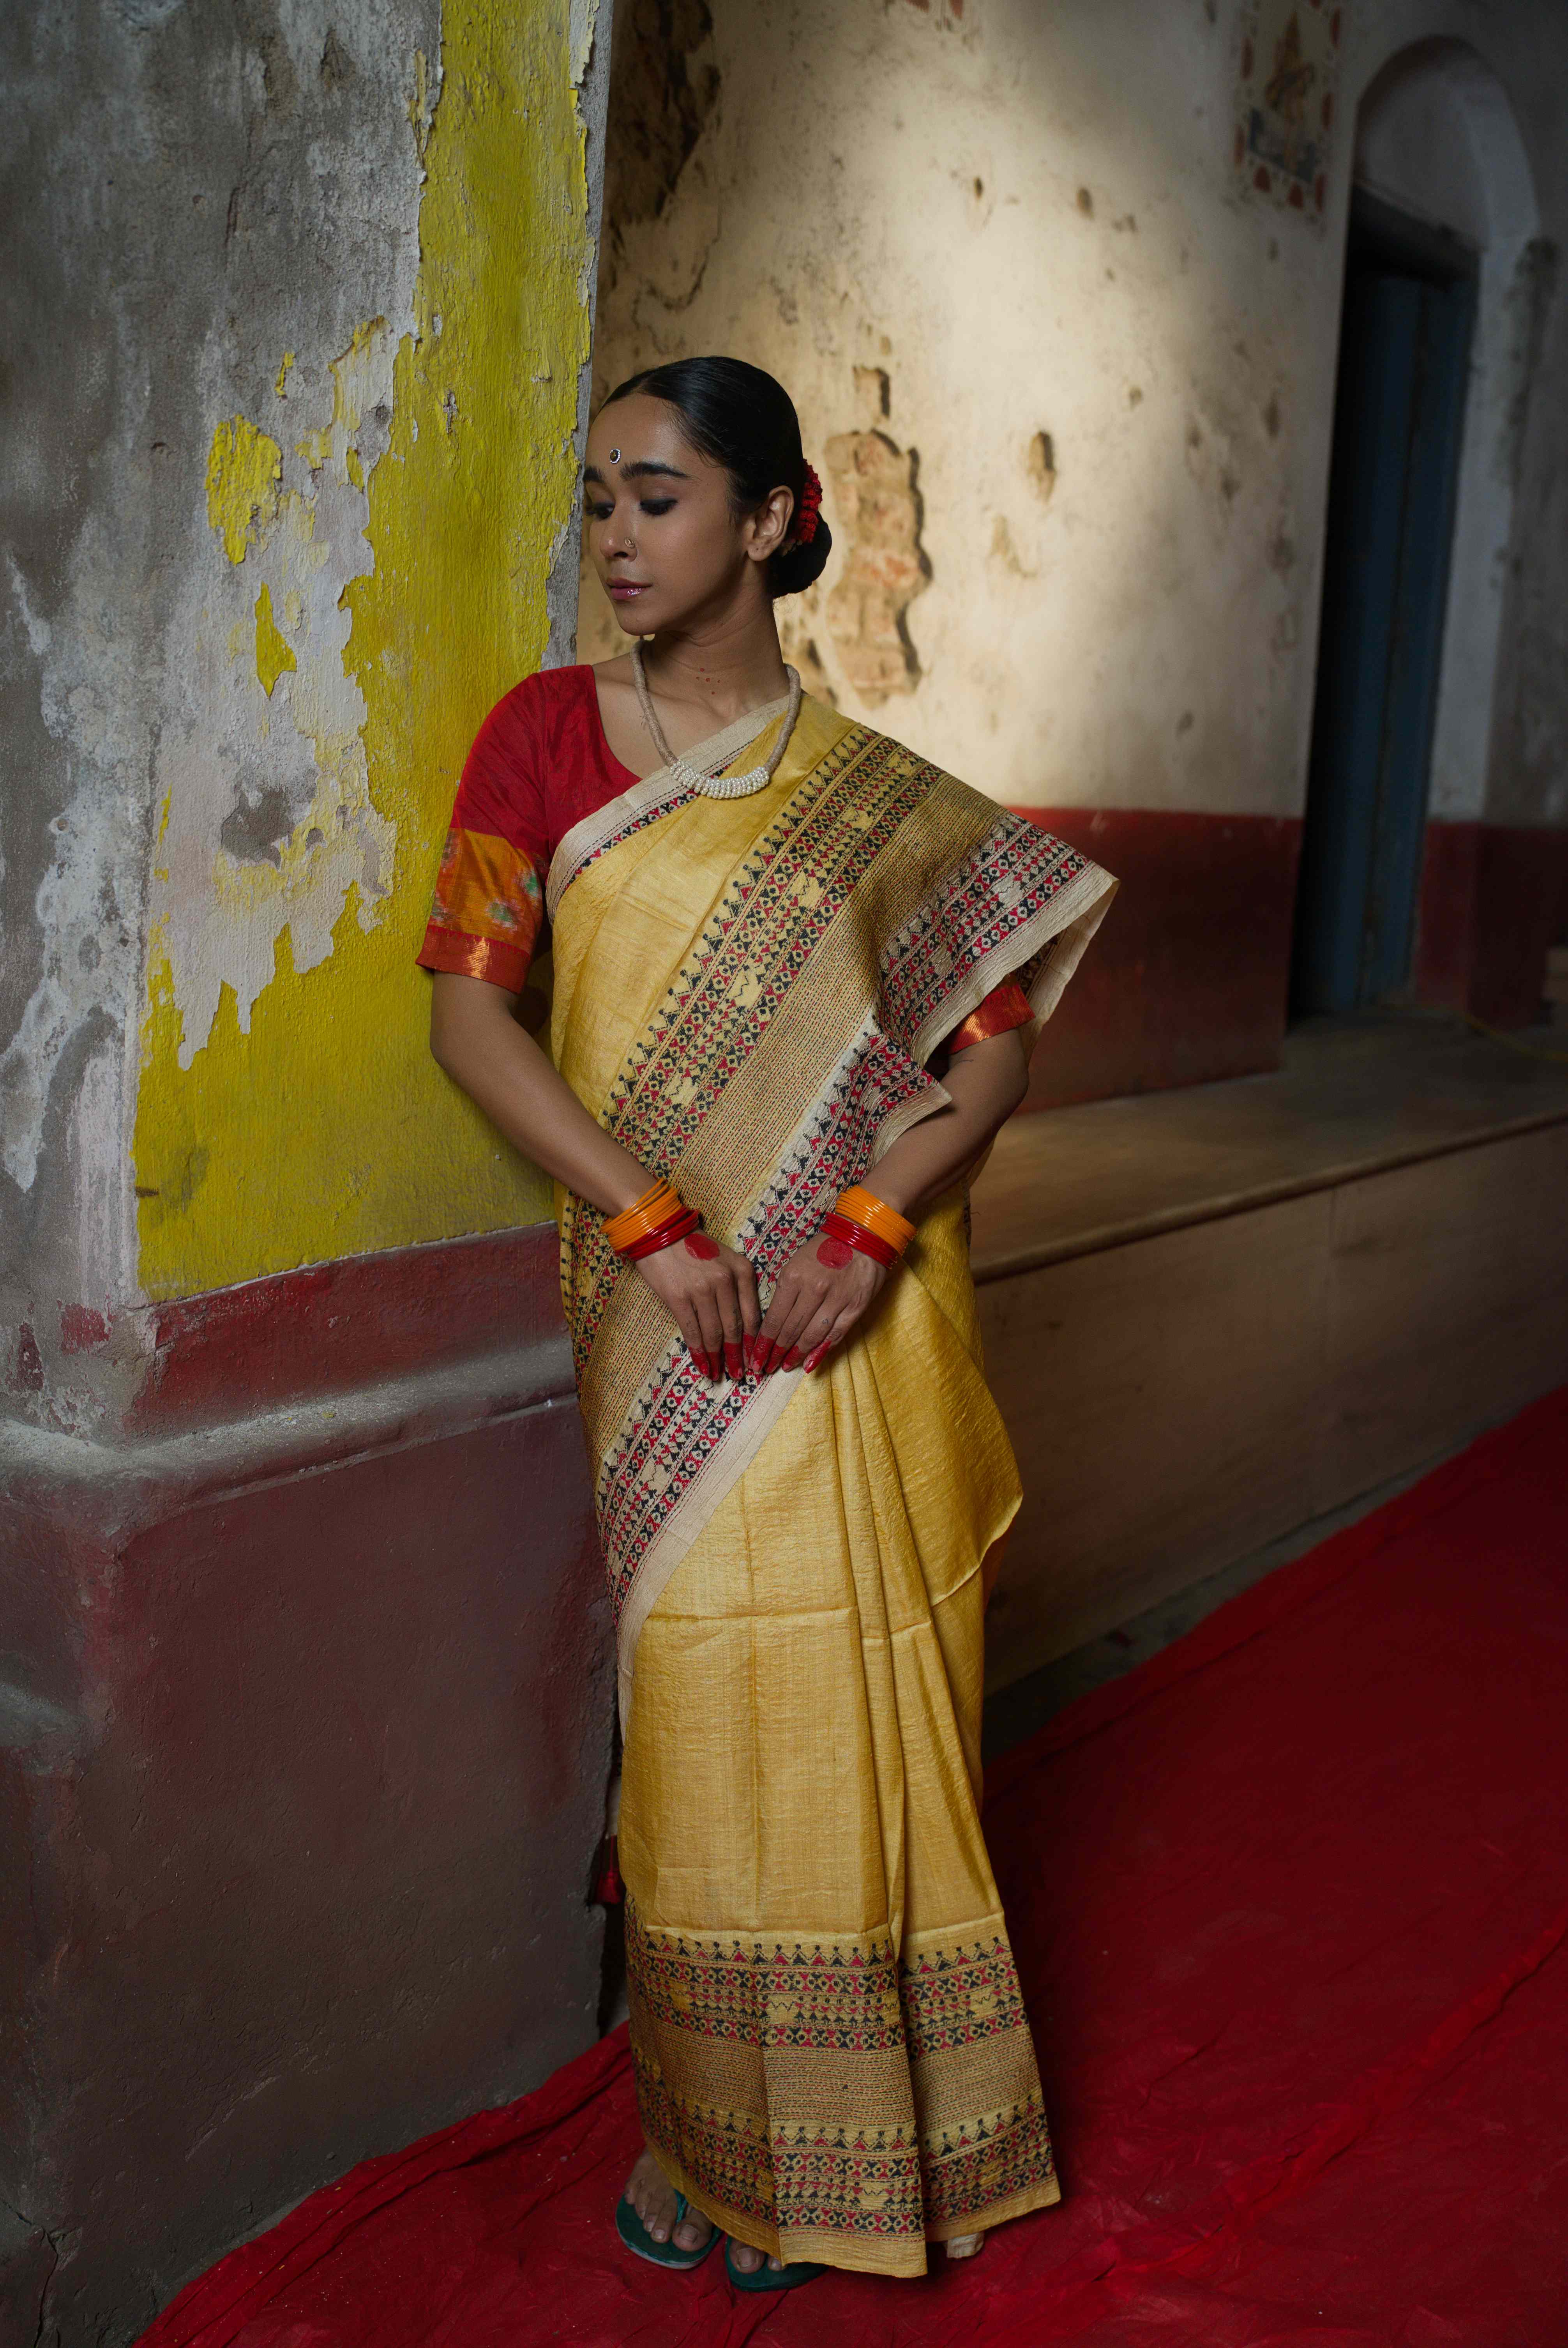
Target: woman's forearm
(986, 1083)
(478, 1042)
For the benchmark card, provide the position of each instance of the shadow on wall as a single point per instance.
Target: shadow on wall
(1113, 600)
(710, 242)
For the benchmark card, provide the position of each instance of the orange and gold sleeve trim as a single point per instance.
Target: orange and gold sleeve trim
(487, 912)
(1006, 1006)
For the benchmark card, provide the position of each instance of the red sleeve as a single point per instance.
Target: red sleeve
(1005, 1006)
(490, 892)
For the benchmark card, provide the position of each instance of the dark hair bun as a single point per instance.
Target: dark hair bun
(741, 417)
(799, 567)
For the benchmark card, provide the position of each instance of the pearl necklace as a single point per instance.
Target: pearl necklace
(714, 786)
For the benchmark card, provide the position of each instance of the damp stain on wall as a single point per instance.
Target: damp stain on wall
(379, 534)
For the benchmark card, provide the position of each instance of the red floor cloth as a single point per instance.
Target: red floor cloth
(1291, 1904)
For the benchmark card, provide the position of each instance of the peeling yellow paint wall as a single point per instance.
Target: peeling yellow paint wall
(288, 1108)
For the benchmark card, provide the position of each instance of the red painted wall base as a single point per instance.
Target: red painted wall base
(1187, 980)
(1493, 897)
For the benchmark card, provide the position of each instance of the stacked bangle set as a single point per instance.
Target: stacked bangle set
(859, 1219)
(655, 1220)
(870, 1225)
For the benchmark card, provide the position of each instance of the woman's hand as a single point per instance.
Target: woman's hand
(822, 1293)
(711, 1294)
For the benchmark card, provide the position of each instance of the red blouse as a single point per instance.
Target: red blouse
(538, 765)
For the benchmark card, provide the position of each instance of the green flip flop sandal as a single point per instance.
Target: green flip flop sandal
(768, 2278)
(641, 2244)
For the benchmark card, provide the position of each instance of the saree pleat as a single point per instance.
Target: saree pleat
(832, 2054)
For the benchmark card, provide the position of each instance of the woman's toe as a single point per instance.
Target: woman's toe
(691, 2233)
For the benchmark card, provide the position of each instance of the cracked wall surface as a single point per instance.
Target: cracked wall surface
(1117, 371)
(296, 368)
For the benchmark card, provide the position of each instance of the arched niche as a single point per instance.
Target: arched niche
(1436, 136)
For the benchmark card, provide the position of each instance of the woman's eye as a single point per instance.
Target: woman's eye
(598, 513)
(657, 505)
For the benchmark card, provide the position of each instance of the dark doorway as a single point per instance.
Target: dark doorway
(1404, 360)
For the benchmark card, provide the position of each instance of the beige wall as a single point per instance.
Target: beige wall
(1029, 223)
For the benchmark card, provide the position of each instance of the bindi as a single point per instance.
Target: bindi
(700, 1244)
(832, 1252)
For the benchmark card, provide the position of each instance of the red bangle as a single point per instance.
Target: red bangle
(665, 1236)
(856, 1235)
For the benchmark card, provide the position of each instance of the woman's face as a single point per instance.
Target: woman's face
(660, 529)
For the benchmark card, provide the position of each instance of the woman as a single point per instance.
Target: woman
(772, 929)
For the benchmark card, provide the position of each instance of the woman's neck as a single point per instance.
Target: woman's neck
(722, 668)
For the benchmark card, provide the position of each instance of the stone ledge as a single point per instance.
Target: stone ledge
(120, 1487)
(1356, 1098)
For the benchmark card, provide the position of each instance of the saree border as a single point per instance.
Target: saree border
(743, 2043)
(653, 794)
(726, 1458)
(968, 895)
(1040, 948)
(787, 1211)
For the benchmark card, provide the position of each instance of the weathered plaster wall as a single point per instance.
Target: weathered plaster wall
(299, 1785)
(1011, 243)
(297, 365)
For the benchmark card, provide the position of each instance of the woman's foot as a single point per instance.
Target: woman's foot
(966, 2246)
(652, 2197)
(748, 2261)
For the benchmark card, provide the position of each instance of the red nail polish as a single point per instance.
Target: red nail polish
(763, 1353)
(791, 1359)
(814, 1356)
(734, 1360)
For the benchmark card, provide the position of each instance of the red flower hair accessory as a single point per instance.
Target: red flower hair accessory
(807, 511)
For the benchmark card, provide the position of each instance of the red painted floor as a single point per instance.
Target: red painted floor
(1291, 1901)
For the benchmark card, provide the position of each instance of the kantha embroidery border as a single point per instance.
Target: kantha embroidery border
(679, 1420)
(782, 898)
(792, 2005)
(665, 802)
(995, 891)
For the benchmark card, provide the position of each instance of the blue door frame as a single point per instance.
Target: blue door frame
(1404, 364)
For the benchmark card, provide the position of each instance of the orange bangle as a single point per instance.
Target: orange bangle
(875, 1215)
(670, 1210)
(650, 1213)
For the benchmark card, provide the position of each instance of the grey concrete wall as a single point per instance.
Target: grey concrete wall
(304, 1723)
(245, 236)
(178, 170)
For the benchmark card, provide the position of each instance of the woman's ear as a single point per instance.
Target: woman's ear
(769, 527)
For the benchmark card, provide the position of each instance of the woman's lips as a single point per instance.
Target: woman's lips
(624, 590)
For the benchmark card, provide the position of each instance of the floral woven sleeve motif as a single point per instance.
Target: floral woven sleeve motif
(488, 908)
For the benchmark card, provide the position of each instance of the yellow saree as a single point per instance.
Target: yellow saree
(832, 2055)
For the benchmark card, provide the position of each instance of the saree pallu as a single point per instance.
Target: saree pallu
(832, 2055)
